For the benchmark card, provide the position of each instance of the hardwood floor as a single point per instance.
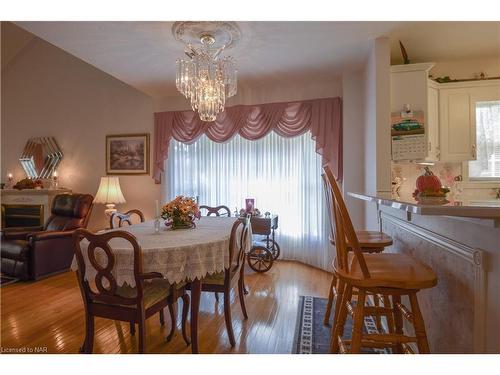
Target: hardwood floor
(49, 313)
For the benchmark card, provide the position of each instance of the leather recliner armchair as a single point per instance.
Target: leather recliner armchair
(35, 252)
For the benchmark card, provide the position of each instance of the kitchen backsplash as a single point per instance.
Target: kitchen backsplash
(447, 172)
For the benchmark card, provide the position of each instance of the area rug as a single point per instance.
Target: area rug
(6, 280)
(312, 337)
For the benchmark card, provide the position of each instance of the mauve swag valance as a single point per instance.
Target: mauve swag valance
(323, 117)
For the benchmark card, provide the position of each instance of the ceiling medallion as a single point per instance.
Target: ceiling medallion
(206, 77)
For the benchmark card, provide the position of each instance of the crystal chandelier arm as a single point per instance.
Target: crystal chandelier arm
(190, 51)
(218, 52)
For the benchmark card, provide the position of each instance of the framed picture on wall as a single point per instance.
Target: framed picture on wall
(127, 154)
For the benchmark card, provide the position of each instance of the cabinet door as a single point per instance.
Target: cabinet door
(457, 125)
(432, 124)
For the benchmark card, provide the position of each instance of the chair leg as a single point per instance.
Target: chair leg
(185, 310)
(338, 327)
(326, 320)
(338, 301)
(359, 318)
(389, 317)
(132, 328)
(227, 316)
(242, 298)
(398, 321)
(88, 343)
(171, 309)
(162, 317)
(142, 332)
(217, 296)
(242, 273)
(378, 318)
(418, 323)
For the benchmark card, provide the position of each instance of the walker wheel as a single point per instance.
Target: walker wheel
(273, 247)
(260, 259)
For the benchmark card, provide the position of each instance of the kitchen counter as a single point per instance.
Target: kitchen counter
(460, 241)
(436, 206)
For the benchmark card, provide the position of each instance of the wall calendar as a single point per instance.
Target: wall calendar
(408, 136)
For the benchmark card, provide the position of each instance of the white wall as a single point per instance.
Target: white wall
(370, 136)
(377, 170)
(354, 142)
(48, 92)
(383, 114)
(294, 91)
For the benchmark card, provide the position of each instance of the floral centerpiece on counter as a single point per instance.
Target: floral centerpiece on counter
(181, 213)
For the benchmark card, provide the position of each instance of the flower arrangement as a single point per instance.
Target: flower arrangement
(429, 185)
(181, 212)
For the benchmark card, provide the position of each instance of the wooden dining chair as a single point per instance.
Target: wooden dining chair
(370, 242)
(217, 211)
(102, 297)
(392, 275)
(124, 218)
(224, 281)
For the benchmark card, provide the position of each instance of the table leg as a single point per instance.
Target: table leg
(195, 307)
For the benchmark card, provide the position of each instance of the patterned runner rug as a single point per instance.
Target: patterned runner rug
(312, 337)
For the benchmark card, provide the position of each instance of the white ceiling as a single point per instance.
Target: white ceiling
(143, 54)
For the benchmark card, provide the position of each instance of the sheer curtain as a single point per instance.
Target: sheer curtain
(283, 175)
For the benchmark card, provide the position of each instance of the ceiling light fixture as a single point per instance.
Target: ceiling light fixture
(206, 78)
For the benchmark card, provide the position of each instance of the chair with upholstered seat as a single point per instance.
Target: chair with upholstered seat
(369, 241)
(224, 281)
(391, 275)
(118, 220)
(102, 297)
(123, 218)
(217, 211)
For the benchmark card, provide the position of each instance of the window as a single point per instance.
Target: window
(487, 165)
(283, 175)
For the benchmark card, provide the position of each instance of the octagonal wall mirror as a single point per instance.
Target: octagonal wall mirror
(40, 157)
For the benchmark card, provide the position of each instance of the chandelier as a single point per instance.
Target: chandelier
(206, 78)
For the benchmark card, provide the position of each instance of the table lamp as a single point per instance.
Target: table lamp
(109, 193)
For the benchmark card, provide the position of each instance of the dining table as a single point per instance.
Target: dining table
(180, 255)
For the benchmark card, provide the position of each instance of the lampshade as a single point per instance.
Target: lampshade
(109, 191)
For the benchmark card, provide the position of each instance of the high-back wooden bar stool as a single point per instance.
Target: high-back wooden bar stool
(388, 274)
(369, 241)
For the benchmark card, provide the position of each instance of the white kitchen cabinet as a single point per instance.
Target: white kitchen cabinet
(457, 117)
(410, 85)
(458, 133)
(432, 128)
(449, 109)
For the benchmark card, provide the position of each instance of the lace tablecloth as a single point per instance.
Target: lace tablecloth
(179, 255)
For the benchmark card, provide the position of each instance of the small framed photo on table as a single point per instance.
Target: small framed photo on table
(127, 154)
